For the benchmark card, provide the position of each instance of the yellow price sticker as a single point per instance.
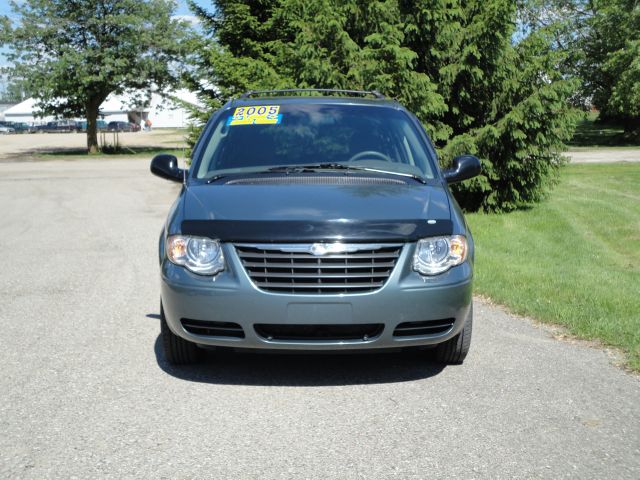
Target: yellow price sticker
(256, 115)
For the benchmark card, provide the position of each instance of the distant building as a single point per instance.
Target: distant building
(164, 111)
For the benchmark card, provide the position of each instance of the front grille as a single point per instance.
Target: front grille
(212, 329)
(299, 272)
(325, 332)
(427, 327)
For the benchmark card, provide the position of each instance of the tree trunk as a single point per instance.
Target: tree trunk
(92, 125)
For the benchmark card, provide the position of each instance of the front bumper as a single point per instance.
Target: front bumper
(231, 296)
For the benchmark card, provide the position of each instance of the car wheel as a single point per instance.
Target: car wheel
(455, 350)
(177, 350)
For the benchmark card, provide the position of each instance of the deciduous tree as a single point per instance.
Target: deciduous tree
(610, 61)
(74, 54)
(601, 42)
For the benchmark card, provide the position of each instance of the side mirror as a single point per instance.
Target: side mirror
(166, 166)
(464, 167)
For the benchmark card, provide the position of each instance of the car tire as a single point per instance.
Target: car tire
(177, 350)
(454, 350)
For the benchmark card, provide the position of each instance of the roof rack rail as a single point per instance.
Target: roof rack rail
(253, 93)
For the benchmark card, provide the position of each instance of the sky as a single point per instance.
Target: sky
(5, 9)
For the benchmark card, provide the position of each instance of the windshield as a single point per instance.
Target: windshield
(258, 138)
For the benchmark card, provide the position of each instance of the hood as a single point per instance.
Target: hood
(290, 213)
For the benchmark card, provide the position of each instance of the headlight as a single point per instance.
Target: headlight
(438, 254)
(200, 255)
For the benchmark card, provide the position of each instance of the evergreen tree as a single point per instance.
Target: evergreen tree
(451, 62)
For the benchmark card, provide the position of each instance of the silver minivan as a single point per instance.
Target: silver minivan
(315, 220)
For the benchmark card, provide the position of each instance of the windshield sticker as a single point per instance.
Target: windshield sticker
(258, 115)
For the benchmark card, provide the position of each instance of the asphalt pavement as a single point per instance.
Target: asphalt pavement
(85, 391)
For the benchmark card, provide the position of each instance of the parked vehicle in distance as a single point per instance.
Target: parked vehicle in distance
(101, 126)
(58, 126)
(315, 223)
(123, 127)
(22, 127)
(5, 129)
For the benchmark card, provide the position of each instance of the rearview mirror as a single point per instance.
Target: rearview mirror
(166, 166)
(463, 168)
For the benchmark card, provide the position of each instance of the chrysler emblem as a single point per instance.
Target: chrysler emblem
(319, 249)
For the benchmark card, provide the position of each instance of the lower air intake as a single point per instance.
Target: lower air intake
(212, 329)
(322, 332)
(426, 327)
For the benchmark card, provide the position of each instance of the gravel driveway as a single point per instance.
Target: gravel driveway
(605, 155)
(25, 146)
(86, 393)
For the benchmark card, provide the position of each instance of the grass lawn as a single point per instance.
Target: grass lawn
(573, 260)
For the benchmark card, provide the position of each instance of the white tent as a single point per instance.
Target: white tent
(163, 111)
(24, 112)
(169, 111)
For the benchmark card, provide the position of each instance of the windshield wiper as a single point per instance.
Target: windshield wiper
(309, 168)
(337, 166)
(214, 178)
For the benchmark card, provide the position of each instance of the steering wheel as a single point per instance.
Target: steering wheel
(368, 154)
